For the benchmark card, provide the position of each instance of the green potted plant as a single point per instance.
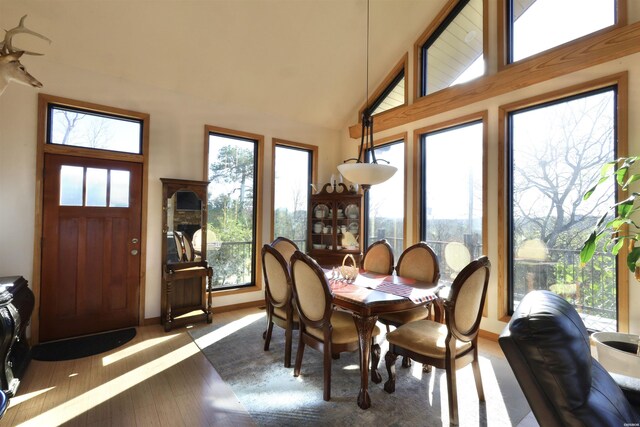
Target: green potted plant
(624, 227)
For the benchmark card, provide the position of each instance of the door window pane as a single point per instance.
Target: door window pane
(71, 183)
(539, 25)
(385, 202)
(291, 193)
(81, 128)
(119, 189)
(453, 195)
(232, 175)
(96, 187)
(557, 151)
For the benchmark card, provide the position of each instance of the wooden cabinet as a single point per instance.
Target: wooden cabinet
(186, 276)
(335, 225)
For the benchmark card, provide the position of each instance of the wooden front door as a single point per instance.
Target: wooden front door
(90, 246)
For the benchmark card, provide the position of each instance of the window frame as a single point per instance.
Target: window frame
(390, 140)
(433, 30)
(256, 264)
(313, 173)
(504, 232)
(418, 178)
(505, 33)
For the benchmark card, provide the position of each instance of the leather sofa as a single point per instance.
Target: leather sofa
(548, 349)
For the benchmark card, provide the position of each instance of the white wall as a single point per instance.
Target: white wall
(175, 151)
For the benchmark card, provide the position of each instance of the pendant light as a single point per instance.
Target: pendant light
(361, 171)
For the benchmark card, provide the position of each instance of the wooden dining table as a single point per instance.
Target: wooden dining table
(368, 296)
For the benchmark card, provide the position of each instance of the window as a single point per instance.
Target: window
(384, 203)
(453, 190)
(452, 53)
(293, 174)
(393, 96)
(537, 25)
(80, 186)
(79, 128)
(555, 151)
(232, 209)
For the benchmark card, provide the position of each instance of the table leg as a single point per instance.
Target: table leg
(364, 325)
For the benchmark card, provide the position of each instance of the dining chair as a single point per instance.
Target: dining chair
(449, 346)
(321, 327)
(378, 258)
(279, 299)
(417, 262)
(285, 246)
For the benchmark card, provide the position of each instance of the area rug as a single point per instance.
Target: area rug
(75, 348)
(273, 397)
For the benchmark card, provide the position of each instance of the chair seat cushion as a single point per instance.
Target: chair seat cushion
(424, 337)
(279, 311)
(344, 329)
(402, 317)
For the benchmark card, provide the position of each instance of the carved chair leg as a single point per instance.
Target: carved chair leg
(375, 359)
(426, 368)
(288, 337)
(296, 369)
(476, 374)
(452, 391)
(267, 334)
(327, 372)
(390, 361)
(406, 362)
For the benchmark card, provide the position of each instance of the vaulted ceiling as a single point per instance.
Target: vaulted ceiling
(303, 60)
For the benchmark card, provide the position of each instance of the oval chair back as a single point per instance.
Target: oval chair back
(419, 262)
(378, 258)
(285, 246)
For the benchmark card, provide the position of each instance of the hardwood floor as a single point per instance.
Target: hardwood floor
(157, 379)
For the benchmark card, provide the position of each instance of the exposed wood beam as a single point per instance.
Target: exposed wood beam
(583, 53)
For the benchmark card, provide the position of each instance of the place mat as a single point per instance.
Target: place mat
(414, 294)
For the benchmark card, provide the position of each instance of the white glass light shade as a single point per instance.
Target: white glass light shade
(366, 173)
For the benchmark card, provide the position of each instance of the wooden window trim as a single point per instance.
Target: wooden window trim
(42, 147)
(257, 262)
(482, 116)
(314, 170)
(433, 27)
(622, 82)
(586, 52)
(503, 40)
(403, 64)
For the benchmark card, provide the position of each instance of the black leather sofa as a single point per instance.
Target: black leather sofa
(548, 349)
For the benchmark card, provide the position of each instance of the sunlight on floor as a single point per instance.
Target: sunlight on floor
(129, 351)
(15, 401)
(82, 403)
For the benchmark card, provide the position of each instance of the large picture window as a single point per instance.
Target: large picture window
(452, 209)
(555, 151)
(293, 171)
(384, 203)
(232, 199)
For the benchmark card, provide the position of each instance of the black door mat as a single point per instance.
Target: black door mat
(75, 348)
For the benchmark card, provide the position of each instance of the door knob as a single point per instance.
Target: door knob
(134, 252)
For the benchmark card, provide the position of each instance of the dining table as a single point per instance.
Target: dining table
(366, 297)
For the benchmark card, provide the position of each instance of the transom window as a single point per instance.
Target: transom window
(453, 53)
(80, 128)
(393, 96)
(538, 25)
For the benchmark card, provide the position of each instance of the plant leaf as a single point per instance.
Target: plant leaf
(588, 249)
(633, 257)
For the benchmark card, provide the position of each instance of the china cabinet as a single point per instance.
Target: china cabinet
(334, 225)
(186, 276)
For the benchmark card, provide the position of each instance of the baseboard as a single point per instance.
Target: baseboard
(250, 304)
(488, 335)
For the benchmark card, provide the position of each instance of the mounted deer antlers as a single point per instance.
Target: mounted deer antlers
(10, 66)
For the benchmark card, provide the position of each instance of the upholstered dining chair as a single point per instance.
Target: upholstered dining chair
(448, 346)
(378, 258)
(416, 262)
(321, 327)
(279, 299)
(285, 246)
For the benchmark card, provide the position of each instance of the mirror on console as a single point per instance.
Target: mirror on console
(184, 224)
